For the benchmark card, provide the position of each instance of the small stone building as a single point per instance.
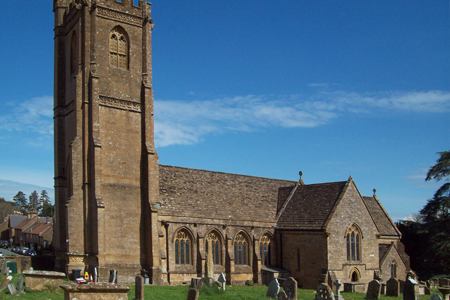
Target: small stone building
(117, 208)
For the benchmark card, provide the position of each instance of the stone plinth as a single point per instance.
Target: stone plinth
(95, 291)
(35, 280)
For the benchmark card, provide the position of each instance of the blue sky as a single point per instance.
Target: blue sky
(263, 88)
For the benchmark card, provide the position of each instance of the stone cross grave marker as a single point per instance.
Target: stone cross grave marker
(139, 288)
(373, 290)
(222, 280)
(209, 260)
(393, 287)
(274, 288)
(338, 285)
(5, 282)
(324, 292)
(12, 289)
(192, 294)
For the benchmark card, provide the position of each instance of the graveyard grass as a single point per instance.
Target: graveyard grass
(180, 293)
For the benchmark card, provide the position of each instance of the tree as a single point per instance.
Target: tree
(21, 202)
(436, 217)
(47, 207)
(34, 203)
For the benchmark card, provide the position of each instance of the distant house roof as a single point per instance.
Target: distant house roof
(309, 206)
(42, 228)
(380, 217)
(14, 220)
(199, 193)
(27, 223)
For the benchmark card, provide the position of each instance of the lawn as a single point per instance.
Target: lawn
(180, 293)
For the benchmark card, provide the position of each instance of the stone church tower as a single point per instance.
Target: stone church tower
(106, 166)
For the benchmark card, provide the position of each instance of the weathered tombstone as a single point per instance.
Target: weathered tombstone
(5, 283)
(290, 288)
(338, 285)
(324, 292)
(196, 282)
(393, 287)
(435, 297)
(373, 290)
(12, 289)
(282, 296)
(411, 290)
(427, 290)
(4, 267)
(7, 271)
(192, 294)
(20, 285)
(222, 281)
(274, 289)
(139, 287)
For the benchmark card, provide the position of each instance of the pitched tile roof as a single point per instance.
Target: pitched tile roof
(310, 206)
(380, 217)
(199, 193)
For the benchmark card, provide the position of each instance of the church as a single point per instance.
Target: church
(118, 209)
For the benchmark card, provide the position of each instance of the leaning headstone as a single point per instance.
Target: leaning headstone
(427, 290)
(192, 294)
(12, 289)
(139, 288)
(196, 282)
(435, 297)
(282, 296)
(274, 289)
(5, 283)
(393, 287)
(222, 281)
(20, 285)
(373, 290)
(290, 288)
(338, 285)
(410, 290)
(324, 292)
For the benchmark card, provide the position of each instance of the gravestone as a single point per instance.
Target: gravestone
(324, 292)
(5, 283)
(393, 287)
(290, 288)
(192, 294)
(435, 297)
(274, 289)
(196, 282)
(12, 289)
(139, 288)
(338, 285)
(282, 296)
(4, 267)
(411, 290)
(20, 285)
(426, 290)
(373, 290)
(222, 281)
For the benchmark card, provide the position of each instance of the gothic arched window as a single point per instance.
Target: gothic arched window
(118, 48)
(393, 269)
(213, 237)
(241, 250)
(183, 248)
(353, 244)
(264, 250)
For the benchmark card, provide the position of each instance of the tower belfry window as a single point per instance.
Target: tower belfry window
(118, 48)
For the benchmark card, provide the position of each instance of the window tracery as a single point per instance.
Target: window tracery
(118, 48)
(264, 250)
(353, 244)
(216, 246)
(183, 248)
(240, 250)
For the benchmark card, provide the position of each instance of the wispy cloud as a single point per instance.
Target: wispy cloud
(179, 122)
(183, 122)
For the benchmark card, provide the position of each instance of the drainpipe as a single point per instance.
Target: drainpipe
(166, 225)
(281, 249)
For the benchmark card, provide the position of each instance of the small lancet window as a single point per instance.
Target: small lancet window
(118, 48)
(264, 250)
(353, 244)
